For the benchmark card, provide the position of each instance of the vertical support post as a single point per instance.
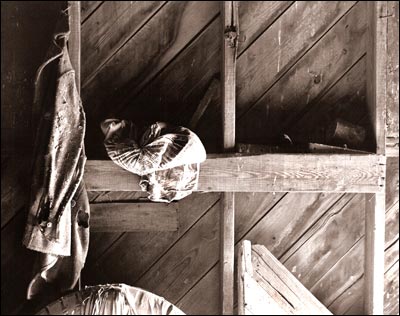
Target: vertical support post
(375, 203)
(227, 216)
(74, 42)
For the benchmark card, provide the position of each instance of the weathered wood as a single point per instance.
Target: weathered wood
(302, 148)
(151, 245)
(204, 103)
(256, 17)
(345, 99)
(203, 298)
(109, 28)
(297, 29)
(374, 253)
(375, 203)
(282, 285)
(392, 147)
(300, 89)
(245, 269)
(172, 67)
(87, 8)
(74, 41)
(391, 306)
(264, 218)
(321, 247)
(392, 72)
(261, 173)
(376, 70)
(128, 217)
(230, 29)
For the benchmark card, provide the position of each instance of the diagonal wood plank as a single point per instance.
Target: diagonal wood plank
(272, 229)
(87, 8)
(292, 34)
(150, 245)
(309, 79)
(107, 30)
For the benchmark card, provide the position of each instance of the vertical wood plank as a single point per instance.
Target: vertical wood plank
(374, 253)
(74, 43)
(375, 203)
(227, 217)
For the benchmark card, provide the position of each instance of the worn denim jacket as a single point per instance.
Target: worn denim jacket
(57, 224)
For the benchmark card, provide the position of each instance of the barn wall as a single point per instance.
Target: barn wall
(300, 65)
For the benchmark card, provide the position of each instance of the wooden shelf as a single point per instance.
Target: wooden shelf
(262, 173)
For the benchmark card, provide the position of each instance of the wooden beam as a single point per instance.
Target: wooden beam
(74, 42)
(262, 173)
(129, 217)
(230, 28)
(375, 203)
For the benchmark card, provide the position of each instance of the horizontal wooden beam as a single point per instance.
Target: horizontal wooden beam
(262, 173)
(129, 217)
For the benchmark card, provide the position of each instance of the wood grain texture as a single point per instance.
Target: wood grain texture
(113, 24)
(275, 278)
(141, 61)
(261, 173)
(345, 100)
(292, 35)
(376, 71)
(87, 8)
(301, 88)
(374, 253)
(392, 72)
(322, 245)
(204, 236)
(270, 227)
(151, 245)
(391, 306)
(128, 217)
(189, 259)
(249, 209)
(256, 17)
(229, 37)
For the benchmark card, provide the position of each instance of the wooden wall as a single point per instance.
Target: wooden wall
(300, 65)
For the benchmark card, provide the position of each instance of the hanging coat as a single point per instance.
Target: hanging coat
(58, 216)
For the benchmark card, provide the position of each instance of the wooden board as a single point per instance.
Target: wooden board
(264, 221)
(322, 246)
(272, 275)
(261, 173)
(179, 276)
(392, 73)
(301, 88)
(345, 100)
(107, 30)
(87, 8)
(126, 217)
(151, 245)
(297, 29)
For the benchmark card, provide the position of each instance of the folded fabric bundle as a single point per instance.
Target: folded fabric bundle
(166, 157)
(111, 299)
